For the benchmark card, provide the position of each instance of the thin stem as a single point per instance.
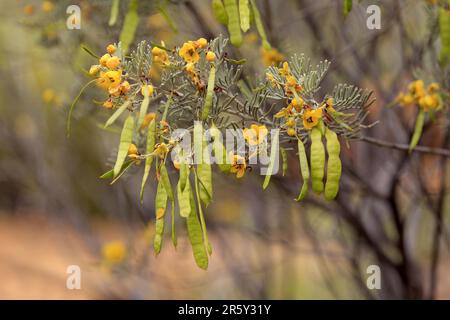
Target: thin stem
(405, 147)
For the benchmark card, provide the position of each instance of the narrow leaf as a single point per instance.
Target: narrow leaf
(151, 140)
(420, 120)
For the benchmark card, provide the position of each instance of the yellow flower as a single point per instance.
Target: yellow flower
(147, 119)
(291, 81)
(311, 118)
(329, 105)
(210, 56)
(160, 56)
(108, 104)
(94, 70)
(112, 63)
(109, 80)
(48, 95)
(189, 53)
(28, 9)
(47, 6)
(201, 43)
(405, 99)
(190, 67)
(133, 151)
(417, 88)
(297, 103)
(161, 150)
(255, 134)
(285, 112)
(271, 56)
(111, 49)
(149, 88)
(284, 70)
(114, 252)
(104, 58)
(238, 165)
(429, 102)
(290, 122)
(433, 87)
(291, 132)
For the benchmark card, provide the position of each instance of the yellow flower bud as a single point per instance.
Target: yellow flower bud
(149, 90)
(112, 63)
(290, 122)
(47, 6)
(210, 56)
(434, 87)
(291, 132)
(94, 70)
(104, 59)
(108, 104)
(201, 43)
(132, 150)
(114, 252)
(111, 49)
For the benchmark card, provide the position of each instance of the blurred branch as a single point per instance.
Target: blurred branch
(405, 147)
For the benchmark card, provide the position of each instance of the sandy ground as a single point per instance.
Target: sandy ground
(35, 254)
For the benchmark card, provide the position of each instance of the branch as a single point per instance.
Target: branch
(405, 147)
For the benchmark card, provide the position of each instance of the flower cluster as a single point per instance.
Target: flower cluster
(427, 98)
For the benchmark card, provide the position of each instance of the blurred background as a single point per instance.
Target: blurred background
(392, 211)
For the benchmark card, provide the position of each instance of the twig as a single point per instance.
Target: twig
(405, 147)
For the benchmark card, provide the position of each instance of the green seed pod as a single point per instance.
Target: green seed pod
(420, 120)
(317, 160)
(183, 197)
(166, 182)
(444, 27)
(304, 169)
(125, 140)
(259, 25)
(219, 12)
(220, 153)
(234, 27)
(129, 25)
(334, 166)
(209, 94)
(151, 140)
(273, 157)
(244, 15)
(195, 235)
(160, 201)
(157, 240)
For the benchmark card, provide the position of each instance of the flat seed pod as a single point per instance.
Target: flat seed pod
(317, 160)
(184, 172)
(334, 166)
(151, 140)
(244, 15)
(304, 169)
(420, 120)
(444, 26)
(125, 140)
(159, 231)
(259, 25)
(347, 6)
(284, 159)
(234, 27)
(110, 173)
(219, 12)
(129, 25)
(183, 197)
(196, 236)
(117, 113)
(160, 200)
(204, 173)
(209, 93)
(273, 157)
(220, 152)
(144, 107)
(114, 12)
(166, 182)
